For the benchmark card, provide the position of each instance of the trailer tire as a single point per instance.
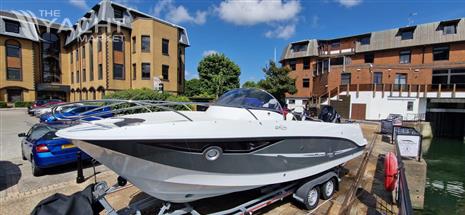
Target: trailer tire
(328, 189)
(312, 198)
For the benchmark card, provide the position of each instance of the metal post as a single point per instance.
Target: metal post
(80, 174)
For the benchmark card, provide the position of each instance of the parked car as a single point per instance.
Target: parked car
(44, 149)
(74, 111)
(42, 104)
(48, 109)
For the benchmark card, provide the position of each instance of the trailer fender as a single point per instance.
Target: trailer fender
(301, 192)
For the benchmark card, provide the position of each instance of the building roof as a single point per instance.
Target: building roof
(104, 12)
(28, 24)
(423, 34)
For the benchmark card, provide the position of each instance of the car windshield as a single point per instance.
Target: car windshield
(41, 102)
(249, 98)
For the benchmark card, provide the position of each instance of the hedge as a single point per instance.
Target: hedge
(148, 94)
(3, 104)
(23, 104)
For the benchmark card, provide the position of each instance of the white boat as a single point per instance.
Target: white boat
(239, 143)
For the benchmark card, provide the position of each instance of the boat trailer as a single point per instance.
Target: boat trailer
(302, 190)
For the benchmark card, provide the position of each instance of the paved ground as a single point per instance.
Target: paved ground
(16, 177)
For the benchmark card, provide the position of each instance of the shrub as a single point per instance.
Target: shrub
(3, 104)
(146, 94)
(23, 104)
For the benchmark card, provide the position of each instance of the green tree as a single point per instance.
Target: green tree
(193, 87)
(218, 74)
(277, 81)
(250, 84)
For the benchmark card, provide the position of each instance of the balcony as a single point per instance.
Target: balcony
(336, 52)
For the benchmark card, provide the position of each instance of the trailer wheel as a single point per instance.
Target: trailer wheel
(327, 189)
(312, 198)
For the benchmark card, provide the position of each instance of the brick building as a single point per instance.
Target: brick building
(110, 48)
(370, 75)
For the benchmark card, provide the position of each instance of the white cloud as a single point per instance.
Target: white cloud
(349, 3)
(209, 52)
(251, 12)
(79, 3)
(178, 14)
(282, 31)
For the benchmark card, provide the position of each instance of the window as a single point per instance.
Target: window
(50, 50)
(306, 83)
(449, 29)
(91, 61)
(335, 45)
(14, 95)
(369, 58)
(165, 72)
(292, 64)
(291, 101)
(346, 78)
(118, 13)
(118, 43)
(77, 55)
(337, 61)
(13, 50)
(378, 78)
(409, 106)
(78, 77)
(83, 51)
(299, 47)
(400, 81)
(11, 26)
(406, 35)
(165, 46)
(13, 74)
(72, 77)
(146, 71)
(365, 40)
(118, 71)
(449, 76)
(405, 57)
(133, 44)
(315, 70)
(306, 63)
(71, 57)
(441, 53)
(84, 75)
(100, 72)
(145, 43)
(134, 71)
(99, 44)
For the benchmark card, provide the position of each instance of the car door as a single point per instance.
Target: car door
(26, 143)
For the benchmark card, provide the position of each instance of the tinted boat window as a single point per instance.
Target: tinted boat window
(249, 98)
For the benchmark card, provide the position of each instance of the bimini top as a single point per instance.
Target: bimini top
(250, 99)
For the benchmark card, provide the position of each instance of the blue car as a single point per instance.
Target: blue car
(76, 110)
(44, 149)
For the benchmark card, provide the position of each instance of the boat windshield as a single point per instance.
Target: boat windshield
(249, 98)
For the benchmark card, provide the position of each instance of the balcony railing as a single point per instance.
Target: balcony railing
(399, 90)
(328, 52)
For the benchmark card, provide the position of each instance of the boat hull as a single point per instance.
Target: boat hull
(156, 168)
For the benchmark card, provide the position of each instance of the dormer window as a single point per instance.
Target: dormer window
(118, 13)
(406, 33)
(299, 47)
(12, 26)
(365, 40)
(448, 27)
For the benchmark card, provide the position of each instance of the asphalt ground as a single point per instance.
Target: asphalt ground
(15, 174)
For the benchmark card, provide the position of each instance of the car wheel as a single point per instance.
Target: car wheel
(328, 188)
(312, 198)
(36, 171)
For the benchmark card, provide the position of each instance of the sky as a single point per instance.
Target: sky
(249, 31)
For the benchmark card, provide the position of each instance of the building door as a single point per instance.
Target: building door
(358, 111)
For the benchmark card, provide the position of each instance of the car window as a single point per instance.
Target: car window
(38, 132)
